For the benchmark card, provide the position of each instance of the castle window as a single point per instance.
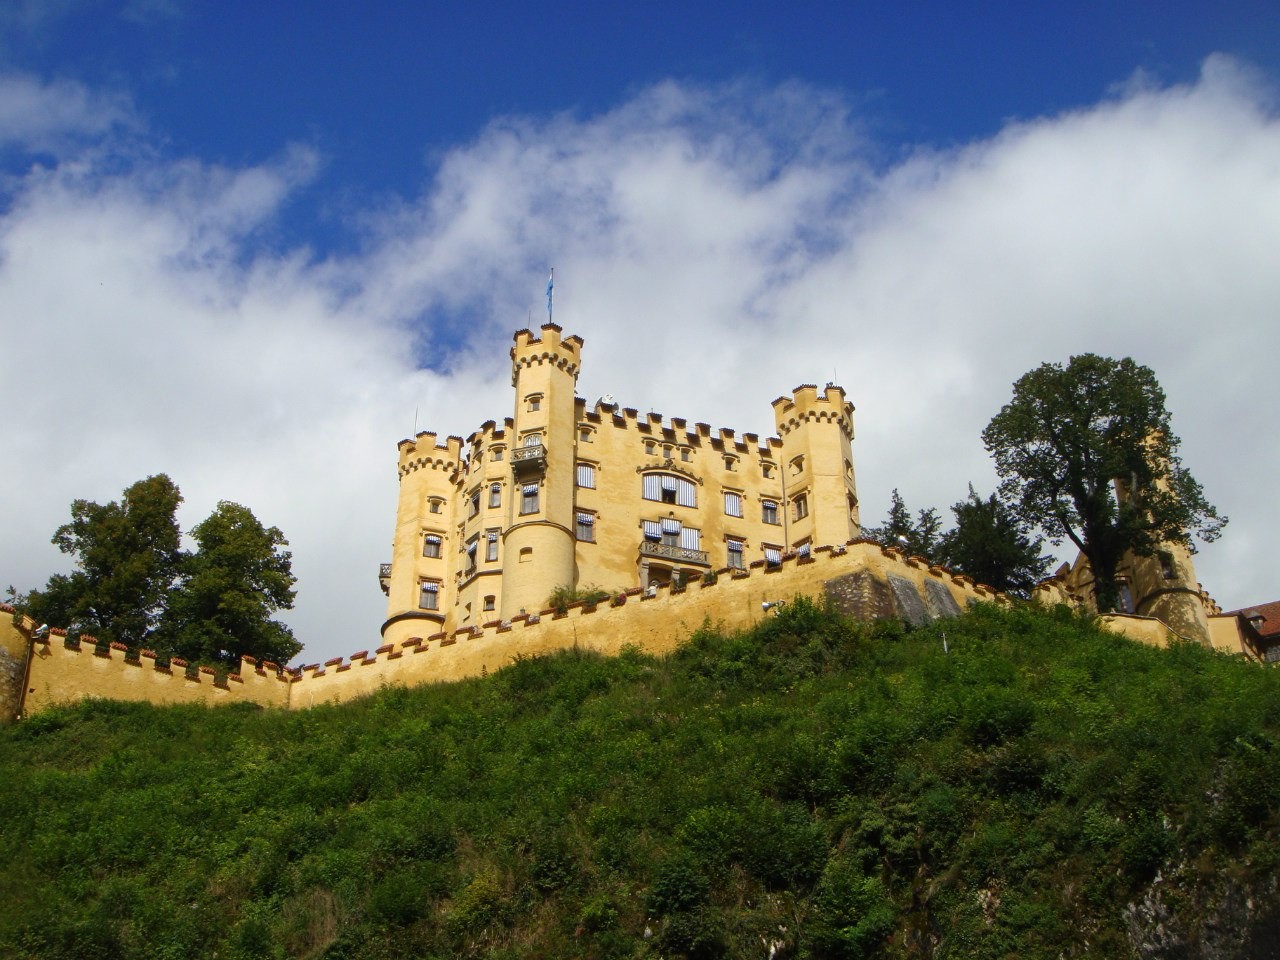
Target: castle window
(766, 469)
(691, 539)
(472, 545)
(1167, 568)
(666, 488)
(473, 503)
(769, 511)
(490, 602)
(803, 548)
(587, 475)
(797, 464)
(491, 546)
(587, 528)
(772, 556)
(733, 504)
(529, 498)
(685, 454)
(434, 505)
(652, 530)
(533, 402)
(650, 447)
(496, 454)
(801, 506)
(671, 532)
(533, 440)
(1124, 601)
(584, 435)
(431, 546)
(735, 554)
(495, 495)
(666, 452)
(526, 554)
(731, 463)
(430, 595)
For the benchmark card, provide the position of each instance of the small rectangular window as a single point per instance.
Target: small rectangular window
(529, 498)
(434, 506)
(491, 546)
(473, 504)
(652, 530)
(584, 435)
(431, 546)
(769, 511)
(772, 556)
(733, 504)
(490, 602)
(671, 532)
(735, 555)
(586, 476)
(587, 528)
(497, 454)
(495, 495)
(801, 504)
(430, 598)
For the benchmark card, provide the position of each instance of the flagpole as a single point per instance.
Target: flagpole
(551, 283)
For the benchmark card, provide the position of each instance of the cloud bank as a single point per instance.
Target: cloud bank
(714, 247)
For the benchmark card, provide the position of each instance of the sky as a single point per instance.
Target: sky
(255, 245)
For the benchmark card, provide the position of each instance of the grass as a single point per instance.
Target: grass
(831, 788)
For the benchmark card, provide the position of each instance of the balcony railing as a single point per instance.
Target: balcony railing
(384, 576)
(666, 551)
(529, 459)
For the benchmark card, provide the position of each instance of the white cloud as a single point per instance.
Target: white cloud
(715, 247)
(52, 117)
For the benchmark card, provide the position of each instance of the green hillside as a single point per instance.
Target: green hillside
(816, 788)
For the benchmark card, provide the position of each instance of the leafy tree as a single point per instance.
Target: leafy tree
(127, 553)
(919, 537)
(230, 587)
(993, 545)
(1072, 437)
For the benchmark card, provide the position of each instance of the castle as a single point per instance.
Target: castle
(678, 524)
(566, 495)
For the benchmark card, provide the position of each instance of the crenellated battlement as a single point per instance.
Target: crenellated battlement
(424, 452)
(562, 352)
(807, 405)
(677, 431)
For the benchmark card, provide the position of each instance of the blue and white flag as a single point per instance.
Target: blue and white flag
(551, 282)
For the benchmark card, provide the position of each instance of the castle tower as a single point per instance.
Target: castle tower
(1164, 585)
(538, 539)
(419, 588)
(821, 496)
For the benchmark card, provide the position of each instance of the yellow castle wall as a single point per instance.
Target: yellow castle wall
(657, 625)
(58, 673)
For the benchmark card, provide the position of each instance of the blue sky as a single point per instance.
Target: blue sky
(247, 243)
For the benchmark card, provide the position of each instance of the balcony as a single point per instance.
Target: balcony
(384, 576)
(529, 460)
(666, 551)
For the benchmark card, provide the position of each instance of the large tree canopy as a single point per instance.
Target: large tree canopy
(127, 555)
(1087, 453)
(133, 584)
(231, 586)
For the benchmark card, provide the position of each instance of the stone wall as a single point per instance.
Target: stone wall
(860, 578)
